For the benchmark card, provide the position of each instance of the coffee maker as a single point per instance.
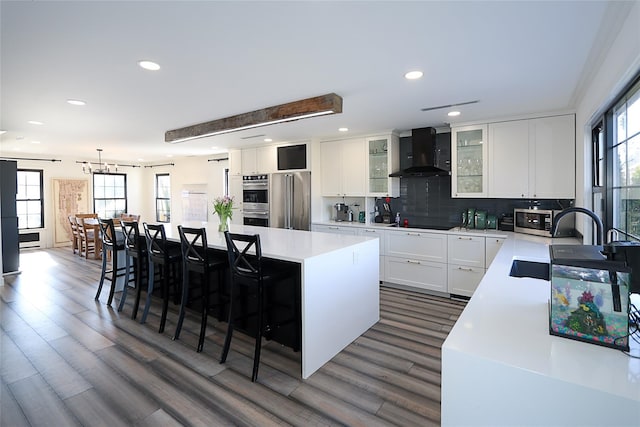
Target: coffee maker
(342, 212)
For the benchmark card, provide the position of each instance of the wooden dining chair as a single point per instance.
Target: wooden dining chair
(75, 237)
(89, 235)
(129, 217)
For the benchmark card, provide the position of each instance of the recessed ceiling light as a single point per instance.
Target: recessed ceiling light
(141, 160)
(149, 65)
(268, 140)
(76, 102)
(413, 75)
(453, 113)
(2, 131)
(35, 122)
(35, 142)
(169, 155)
(343, 129)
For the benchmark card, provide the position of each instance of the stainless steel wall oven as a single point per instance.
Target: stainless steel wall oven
(255, 200)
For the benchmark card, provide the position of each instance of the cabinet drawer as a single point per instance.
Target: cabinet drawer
(467, 250)
(417, 273)
(335, 229)
(373, 232)
(463, 280)
(417, 245)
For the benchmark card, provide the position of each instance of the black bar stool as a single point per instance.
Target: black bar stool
(257, 275)
(198, 259)
(167, 259)
(112, 243)
(136, 249)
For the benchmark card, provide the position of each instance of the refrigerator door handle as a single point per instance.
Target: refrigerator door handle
(288, 200)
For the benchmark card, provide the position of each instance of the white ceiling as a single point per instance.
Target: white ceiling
(224, 58)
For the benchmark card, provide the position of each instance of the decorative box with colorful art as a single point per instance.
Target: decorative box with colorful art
(589, 296)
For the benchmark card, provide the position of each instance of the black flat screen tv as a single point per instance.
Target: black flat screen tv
(292, 157)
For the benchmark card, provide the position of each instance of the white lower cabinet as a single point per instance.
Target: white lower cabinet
(463, 280)
(416, 273)
(380, 234)
(492, 246)
(417, 259)
(466, 261)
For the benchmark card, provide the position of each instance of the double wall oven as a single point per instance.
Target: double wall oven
(255, 200)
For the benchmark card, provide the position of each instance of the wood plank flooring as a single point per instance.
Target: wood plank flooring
(67, 360)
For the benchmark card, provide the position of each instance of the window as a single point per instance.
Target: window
(625, 154)
(109, 194)
(163, 197)
(29, 199)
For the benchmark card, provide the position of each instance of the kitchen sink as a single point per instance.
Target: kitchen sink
(533, 269)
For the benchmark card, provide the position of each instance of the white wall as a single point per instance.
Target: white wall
(189, 171)
(140, 185)
(620, 64)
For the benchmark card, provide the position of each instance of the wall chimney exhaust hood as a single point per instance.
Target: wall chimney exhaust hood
(425, 156)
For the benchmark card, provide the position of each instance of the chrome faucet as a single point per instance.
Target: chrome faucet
(594, 217)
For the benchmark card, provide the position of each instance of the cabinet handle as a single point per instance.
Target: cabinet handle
(414, 234)
(465, 238)
(369, 231)
(334, 227)
(413, 262)
(465, 269)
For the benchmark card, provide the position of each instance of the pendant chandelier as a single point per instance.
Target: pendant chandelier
(105, 167)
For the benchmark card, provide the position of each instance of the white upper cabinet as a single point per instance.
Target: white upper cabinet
(235, 162)
(509, 159)
(383, 157)
(259, 160)
(554, 149)
(343, 168)
(469, 161)
(532, 158)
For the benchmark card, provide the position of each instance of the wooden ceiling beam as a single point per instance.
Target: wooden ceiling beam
(305, 108)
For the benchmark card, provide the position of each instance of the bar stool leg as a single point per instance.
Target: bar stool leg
(165, 297)
(183, 303)
(104, 271)
(114, 274)
(127, 267)
(227, 338)
(204, 312)
(138, 273)
(147, 303)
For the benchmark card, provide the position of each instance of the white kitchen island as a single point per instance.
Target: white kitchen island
(340, 296)
(500, 366)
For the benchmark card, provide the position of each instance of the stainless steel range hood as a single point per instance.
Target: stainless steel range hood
(423, 142)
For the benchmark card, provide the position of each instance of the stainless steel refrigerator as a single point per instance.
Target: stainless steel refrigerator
(290, 200)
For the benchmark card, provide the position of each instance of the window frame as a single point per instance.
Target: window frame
(610, 186)
(124, 175)
(41, 199)
(158, 199)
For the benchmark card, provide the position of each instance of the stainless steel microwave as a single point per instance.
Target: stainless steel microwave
(539, 221)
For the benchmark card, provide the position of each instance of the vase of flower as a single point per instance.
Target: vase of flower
(223, 207)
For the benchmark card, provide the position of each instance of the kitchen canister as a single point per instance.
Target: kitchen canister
(471, 218)
(481, 219)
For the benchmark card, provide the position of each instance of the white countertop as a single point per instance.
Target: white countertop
(392, 227)
(278, 243)
(506, 321)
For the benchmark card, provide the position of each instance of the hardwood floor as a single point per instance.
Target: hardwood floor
(68, 360)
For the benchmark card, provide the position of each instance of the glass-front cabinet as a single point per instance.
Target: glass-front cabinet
(383, 158)
(469, 161)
